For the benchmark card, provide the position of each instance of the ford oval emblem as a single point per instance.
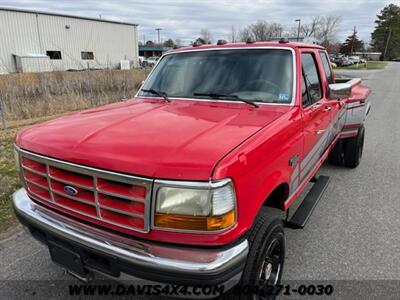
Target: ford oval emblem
(70, 190)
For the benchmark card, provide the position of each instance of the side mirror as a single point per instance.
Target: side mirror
(338, 91)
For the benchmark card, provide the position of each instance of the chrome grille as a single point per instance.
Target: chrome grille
(111, 198)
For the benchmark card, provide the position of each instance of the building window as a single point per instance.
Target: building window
(54, 54)
(87, 55)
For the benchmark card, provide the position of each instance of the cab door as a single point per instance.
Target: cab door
(337, 107)
(316, 114)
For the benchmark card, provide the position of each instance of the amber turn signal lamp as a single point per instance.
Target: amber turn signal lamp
(210, 223)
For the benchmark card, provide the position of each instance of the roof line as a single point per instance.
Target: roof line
(13, 9)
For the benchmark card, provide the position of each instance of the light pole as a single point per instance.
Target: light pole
(298, 29)
(158, 33)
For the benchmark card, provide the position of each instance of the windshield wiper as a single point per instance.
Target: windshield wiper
(226, 96)
(158, 93)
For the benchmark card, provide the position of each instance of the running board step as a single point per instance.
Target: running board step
(306, 208)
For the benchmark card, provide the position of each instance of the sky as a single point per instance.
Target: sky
(183, 20)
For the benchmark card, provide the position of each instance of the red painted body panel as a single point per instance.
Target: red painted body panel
(150, 138)
(195, 140)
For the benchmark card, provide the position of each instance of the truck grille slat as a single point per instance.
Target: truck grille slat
(106, 197)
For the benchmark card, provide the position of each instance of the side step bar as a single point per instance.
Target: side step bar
(306, 208)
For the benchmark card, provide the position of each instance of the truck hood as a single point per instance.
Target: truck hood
(149, 137)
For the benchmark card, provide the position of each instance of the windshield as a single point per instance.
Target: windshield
(258, 75)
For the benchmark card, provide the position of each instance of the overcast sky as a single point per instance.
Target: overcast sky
(183, 20)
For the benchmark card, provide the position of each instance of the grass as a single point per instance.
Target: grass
(370, 65)
(9, 179)
(33, 95)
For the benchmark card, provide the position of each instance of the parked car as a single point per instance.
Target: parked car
(150, 61)
(342, 61)
(190, 182)
(354, 59)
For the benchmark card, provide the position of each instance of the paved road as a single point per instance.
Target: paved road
(354, 234)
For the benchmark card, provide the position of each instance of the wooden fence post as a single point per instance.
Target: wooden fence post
(3, 113)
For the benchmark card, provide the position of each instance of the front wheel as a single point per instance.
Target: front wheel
(264, 266)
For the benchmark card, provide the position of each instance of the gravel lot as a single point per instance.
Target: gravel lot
(354, 233)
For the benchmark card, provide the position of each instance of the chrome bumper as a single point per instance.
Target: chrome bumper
(153, 261)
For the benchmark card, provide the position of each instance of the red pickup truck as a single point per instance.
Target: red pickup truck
(191, 181)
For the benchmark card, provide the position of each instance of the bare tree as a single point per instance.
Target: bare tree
(322, 29)
(328, 29)
(205, 35)
(261, 31)
(310, 29)
(245, 34)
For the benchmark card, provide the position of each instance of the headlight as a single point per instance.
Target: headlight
(211, 207)
(16, 158)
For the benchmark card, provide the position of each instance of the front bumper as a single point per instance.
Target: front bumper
(120, 254)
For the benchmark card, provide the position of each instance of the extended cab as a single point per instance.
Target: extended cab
(190, 181)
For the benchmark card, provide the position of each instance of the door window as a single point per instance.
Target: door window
(311, 78)
(327, 67)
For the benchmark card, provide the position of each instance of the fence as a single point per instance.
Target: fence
(3, 114)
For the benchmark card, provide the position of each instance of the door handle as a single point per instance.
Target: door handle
(315, 106)
(328, 108)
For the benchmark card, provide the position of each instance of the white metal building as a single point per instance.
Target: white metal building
(32, 41)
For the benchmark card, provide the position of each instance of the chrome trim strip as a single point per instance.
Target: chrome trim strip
(96, 196)
(220, 49)
(193, 184)
(85, 170)
(62, 181)
(33, 171)
(37, 184)
(134, 199)
(127, 213)
(82, 200)
(181, 260)
(40, 197)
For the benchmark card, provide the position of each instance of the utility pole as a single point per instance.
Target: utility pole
(352, 41)
(387, 43)
(298, 29)
(158, 33)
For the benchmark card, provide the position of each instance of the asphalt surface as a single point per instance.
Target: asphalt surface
(353, 235)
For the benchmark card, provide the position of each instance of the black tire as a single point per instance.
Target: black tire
(266, 253)
(353, 149)
(336, 157)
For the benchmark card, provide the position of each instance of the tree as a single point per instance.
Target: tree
(245, 34)
(200, 41)
(386, 36)
(321, 29)
(327, 29)
(205, 35)
(261, 31)
(150, 43)
(352, 44)
(310, 29)
(169, 43)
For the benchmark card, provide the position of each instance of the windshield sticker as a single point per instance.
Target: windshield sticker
(284, 96)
